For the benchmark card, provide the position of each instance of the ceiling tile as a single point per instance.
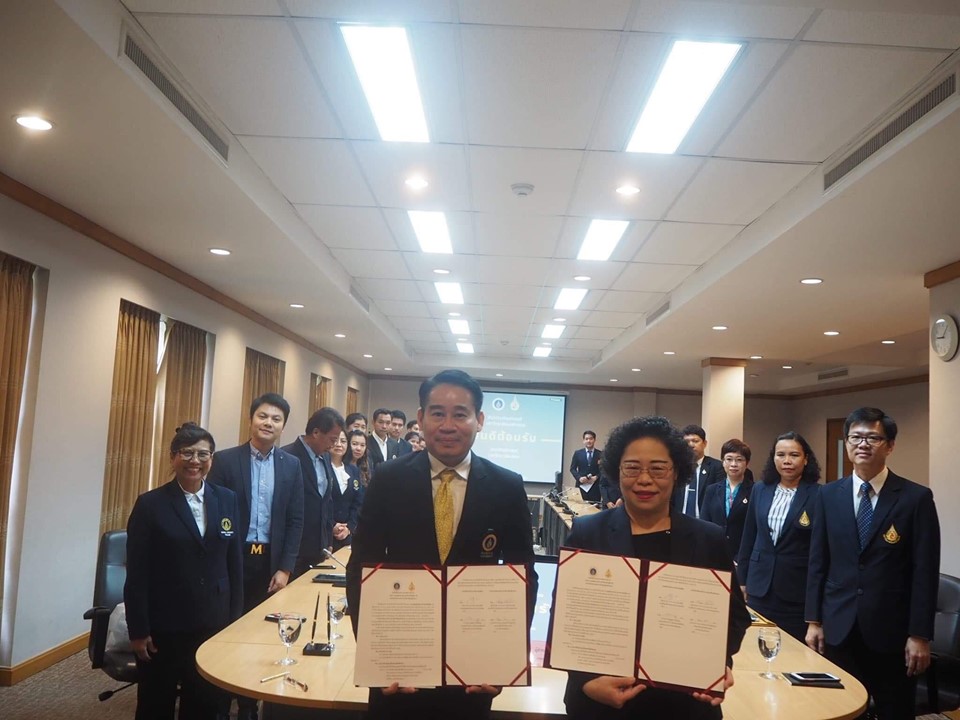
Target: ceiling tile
(573, 354)
(587, 344)
(599, 14)
(376, 264)
(601, 274)
(517, 296)
(205, 7)
(319, 172)
(513, 270)
(598, 333)
(650, 279)
(635, 302)
(685, 243)
(620, 320)
(388, 165)
(501, 315)
(533, 87)
(736, 192)
(459, 225)
(822, 97)
(249, 71)
(516, 234)
(348, 227)
(462, 267)
(413, 321)
(434, 347)
(718, 19)
(379, 11)
(571, 318)
(551, 172)
(390, 291)
(416, 336)
(886, 28)
(472, 312)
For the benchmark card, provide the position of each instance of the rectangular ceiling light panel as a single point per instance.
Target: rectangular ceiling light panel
(601, 239)
(552, 332)
(431, 231)
(541, 351)
(570, 298)
(691, 74)
(465, 347)
(449, 293)
(459, 327)
(381, 56)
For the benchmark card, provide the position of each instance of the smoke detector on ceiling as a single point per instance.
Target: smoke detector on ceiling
(521, 189)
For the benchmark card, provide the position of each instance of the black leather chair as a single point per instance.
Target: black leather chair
(107, 594)
(938, 689)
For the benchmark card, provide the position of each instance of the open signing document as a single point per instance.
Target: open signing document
(663, 623)
(402, 636)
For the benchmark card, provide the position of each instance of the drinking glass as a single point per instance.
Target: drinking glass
(769, 642)
(338, 608)
(289, 626)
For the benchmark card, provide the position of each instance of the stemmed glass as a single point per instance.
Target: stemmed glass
(338, 608)
(769, 642)
(289, 626)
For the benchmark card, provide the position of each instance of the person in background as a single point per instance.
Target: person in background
(415, 440)
(708, 470)
(184, 579)
(346, 496)
(413, 425)
(610, 496)
(356, 421)
(357, 439)
(398, 419)
(775, 551)
(725, 504)
(647, 456)
(380, 445)
(585, 468)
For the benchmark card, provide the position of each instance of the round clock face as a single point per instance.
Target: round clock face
(944, 337)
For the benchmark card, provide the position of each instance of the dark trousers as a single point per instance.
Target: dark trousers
(256, 580)
(439, 704)
(173, 663)
(884, 674)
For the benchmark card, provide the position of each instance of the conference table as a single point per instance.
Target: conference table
(556, 522)
(241, 654)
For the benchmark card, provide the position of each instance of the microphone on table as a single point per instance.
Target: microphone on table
(334, 558)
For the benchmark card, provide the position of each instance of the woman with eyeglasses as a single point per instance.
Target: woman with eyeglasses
(646, 456)
(358, 455)
(775, 551)
(346, 495)
(184, 579)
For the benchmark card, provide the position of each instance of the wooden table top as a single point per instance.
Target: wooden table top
(241, 654)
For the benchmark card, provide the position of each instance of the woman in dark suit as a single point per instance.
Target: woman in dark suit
(726, 504)
(775, 551)
(357, 441)
(184, 580)
(346, 495)
(646, 456)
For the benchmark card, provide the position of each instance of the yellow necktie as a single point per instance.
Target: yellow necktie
(443, 513)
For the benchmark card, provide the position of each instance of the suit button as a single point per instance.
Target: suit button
(859, 591)
(201, 581)
(861, 566)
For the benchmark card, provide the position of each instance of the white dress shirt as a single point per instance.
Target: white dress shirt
(195, 503)
(876, 484)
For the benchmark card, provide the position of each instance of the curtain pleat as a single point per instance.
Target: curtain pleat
(353, 400)
(261, 374)
(319, 393)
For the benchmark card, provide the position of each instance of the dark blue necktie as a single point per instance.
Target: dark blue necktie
(864, 514)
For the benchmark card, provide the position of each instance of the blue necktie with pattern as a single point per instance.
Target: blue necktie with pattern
(864, 513)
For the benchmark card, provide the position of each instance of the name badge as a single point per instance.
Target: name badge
(226, 528)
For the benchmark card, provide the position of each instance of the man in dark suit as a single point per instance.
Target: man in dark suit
(323, 430)
(398, 421)
(585, 468)
(380, 446)
(269, 488)
(443, 506)
(874, 569)
(688, 497)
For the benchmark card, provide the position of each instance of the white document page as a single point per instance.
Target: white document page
(595, 613)
(400, 634)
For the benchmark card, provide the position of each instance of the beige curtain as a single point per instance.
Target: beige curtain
(353, 400)
(261, 374)
(319, 393)
(132, 404)
(179, 390)
(16, 308)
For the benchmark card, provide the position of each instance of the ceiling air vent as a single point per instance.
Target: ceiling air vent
(908, 117)
(170, 91)
(361, 300)
(658, 313)
(833, 374)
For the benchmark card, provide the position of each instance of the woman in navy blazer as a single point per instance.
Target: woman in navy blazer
(726, 504)
(346, 496)
(775, 551)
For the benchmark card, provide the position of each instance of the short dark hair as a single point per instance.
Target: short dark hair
(324, 420)
(736, 445)
(658, 428)
(694, 430)
(189, 434)
(378, 412)
(411, 424)
(811, 473)
(591, 433)
(271, 399)
(394, 414)
(412, 434)
(452, 377)
(353, 417)
(870, 416)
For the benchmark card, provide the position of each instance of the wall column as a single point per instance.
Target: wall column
(722, 415)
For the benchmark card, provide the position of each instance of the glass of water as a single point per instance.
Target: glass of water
(769, 642)
(289, 626)
(338, 608)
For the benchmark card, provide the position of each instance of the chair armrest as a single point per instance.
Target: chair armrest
(100, 617)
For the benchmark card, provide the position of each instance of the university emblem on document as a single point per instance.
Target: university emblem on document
(608, 574)
(489, 542)
(411, 587)
(892, 536)
(226, 525)
(804, 519)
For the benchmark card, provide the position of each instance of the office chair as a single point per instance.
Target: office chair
(107, 594)
(938, 689)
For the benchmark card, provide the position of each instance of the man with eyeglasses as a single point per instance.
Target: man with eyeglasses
(322, 431)
(874, 569)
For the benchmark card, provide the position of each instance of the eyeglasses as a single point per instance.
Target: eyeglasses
(201, 455)
(873, 440)
(658, 471)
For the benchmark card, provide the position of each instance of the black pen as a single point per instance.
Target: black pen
(328, 617)
(316, 609)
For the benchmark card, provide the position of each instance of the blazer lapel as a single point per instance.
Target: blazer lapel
(211, 506)
(476, 505)
(683, 544)
(245, 477)
(796, 508)
(764, 500)
(848, 513)
(621, 537)
(886, 500)
(179, 502)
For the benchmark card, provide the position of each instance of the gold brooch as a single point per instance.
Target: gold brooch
(805, 519)
(892, 536)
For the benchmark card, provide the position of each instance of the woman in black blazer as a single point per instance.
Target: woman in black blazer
(346, 495)
(726, 504)
(184, 582)
(775, 551)
(357, 442)
(646, 456)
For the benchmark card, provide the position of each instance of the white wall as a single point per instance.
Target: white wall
(49, 581)
(944, 423)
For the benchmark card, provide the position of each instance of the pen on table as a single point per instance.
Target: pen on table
(274, 677)
(316, 609)
(328, 618)
(336, 560)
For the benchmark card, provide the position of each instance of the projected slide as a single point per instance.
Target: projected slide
(523, 432)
